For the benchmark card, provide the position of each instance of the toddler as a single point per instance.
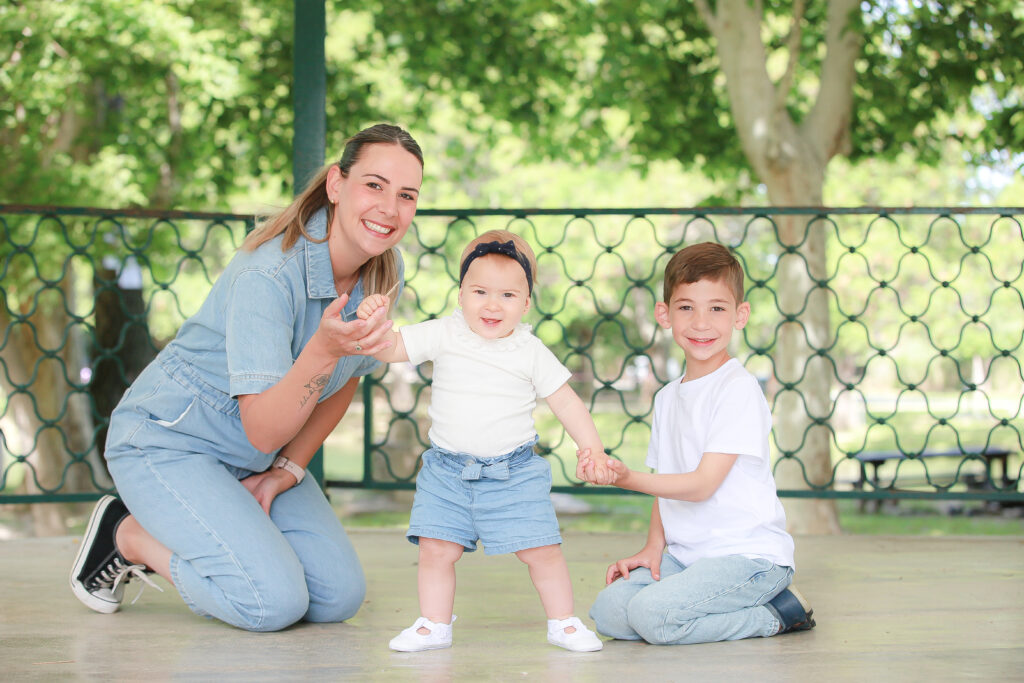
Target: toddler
(480, 479)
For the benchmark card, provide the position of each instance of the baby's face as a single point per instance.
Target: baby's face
(494, 296)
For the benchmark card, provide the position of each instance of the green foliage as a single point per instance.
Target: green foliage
(925, 62)
(642, 79)
(157, 103)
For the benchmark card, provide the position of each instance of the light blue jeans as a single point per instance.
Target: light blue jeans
(166, 452)
(718, 598)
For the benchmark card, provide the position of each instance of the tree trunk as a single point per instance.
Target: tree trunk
(790, 159)
(804, 378)
(122, 346)
(47, 426)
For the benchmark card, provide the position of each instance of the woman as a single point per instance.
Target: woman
(208, 447)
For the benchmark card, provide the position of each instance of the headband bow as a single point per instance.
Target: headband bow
(503, 248)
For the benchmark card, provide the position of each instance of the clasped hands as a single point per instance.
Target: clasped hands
(365, 336)
(598, 469)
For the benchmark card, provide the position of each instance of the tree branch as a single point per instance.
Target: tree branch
(793, 46)
(708, 15)
(741, 51)
(828, 124)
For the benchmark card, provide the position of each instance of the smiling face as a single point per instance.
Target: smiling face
(374, 204)
(494, 296)
(702, 316)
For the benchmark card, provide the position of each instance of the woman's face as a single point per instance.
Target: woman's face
(375, 202)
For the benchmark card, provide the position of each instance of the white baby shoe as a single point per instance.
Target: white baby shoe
(410, 640)
(580, 640)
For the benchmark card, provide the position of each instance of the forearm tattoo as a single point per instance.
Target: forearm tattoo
(316, 385)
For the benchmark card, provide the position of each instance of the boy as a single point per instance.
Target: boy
(729, 559)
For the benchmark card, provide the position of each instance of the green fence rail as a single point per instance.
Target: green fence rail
(887, 340)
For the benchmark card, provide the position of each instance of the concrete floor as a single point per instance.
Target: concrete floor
(888, 608)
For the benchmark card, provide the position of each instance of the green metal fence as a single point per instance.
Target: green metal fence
(888, 341)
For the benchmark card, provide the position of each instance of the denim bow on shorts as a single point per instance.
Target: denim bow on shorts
(478, 470)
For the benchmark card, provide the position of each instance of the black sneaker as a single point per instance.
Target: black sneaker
(100, 572)
(792, 610)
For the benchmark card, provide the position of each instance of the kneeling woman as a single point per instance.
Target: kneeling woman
(208, 447)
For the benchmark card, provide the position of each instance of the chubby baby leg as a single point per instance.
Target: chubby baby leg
(436, 583)
(436, 578)
(550, 575)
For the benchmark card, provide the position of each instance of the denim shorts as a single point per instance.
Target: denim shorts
(503, 502)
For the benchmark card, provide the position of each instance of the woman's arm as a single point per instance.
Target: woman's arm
(274, 417)
(265, 486)
(325, 417)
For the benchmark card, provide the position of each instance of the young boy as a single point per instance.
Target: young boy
(729, 559)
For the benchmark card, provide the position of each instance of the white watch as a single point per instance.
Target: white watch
(286, 464)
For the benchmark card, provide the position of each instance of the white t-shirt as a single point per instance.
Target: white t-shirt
(483, 391)
(724, 412)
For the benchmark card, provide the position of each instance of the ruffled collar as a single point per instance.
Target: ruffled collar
(520, 335)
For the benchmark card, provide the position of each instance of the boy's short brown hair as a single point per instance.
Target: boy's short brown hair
(522, 246)
(704, 261)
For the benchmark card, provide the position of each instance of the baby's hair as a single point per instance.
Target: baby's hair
(522, 246)
(704, 261)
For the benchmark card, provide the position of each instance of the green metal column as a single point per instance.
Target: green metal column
(309, 96)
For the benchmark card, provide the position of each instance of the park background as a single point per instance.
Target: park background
(563, 107)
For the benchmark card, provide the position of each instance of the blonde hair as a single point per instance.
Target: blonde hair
(380, 272)
(522, 246)
(704, 261)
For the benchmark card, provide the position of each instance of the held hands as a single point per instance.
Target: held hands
(371, 304)
(648, 557)
(598, 469)
(364, 336)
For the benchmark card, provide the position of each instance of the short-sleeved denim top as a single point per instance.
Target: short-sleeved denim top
(260, 314)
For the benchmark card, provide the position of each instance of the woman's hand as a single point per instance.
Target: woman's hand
(265, 486)
(360, 337)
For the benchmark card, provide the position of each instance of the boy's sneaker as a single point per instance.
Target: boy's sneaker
(100, 572)
(410, 640)
(580, 640)
(792, 610)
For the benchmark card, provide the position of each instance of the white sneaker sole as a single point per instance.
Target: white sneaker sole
(588, 648)
(91, 600)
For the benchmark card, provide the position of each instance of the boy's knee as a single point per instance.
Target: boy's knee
(647, 615)
(609, 613)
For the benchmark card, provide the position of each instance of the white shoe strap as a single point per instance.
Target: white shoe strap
(562, 624)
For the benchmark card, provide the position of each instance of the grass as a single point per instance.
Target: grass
(631, 514)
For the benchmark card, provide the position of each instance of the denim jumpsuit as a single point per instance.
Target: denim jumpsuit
(177, 450)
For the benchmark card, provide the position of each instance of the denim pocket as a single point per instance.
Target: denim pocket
(175, 420)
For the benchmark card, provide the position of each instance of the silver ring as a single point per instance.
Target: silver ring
(358, 347)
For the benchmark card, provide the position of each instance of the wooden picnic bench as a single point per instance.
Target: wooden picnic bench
(872, 460)
(875, 459)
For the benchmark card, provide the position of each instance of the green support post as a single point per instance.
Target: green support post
(309, 96)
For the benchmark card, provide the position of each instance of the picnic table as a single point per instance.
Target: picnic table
(873, 460)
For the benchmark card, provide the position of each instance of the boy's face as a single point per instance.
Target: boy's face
(494, 296)
(702, 316)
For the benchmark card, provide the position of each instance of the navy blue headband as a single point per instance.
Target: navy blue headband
(503, 248)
